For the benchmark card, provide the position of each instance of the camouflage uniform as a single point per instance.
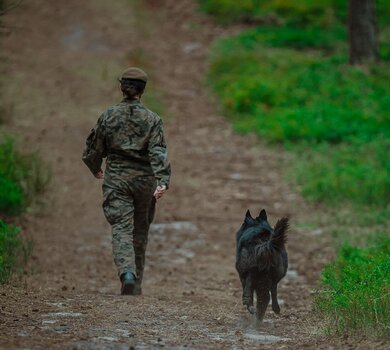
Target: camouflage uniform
(132, 139)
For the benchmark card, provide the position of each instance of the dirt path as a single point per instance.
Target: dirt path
(62, 61)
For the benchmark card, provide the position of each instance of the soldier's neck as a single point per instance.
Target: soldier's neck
(131, 99)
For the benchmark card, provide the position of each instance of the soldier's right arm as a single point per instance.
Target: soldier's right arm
(95, 149)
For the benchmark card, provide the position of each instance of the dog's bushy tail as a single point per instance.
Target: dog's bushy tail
(265, 251)
(279, 237)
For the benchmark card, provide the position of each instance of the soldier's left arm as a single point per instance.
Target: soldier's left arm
(158, 154)
(95, 149)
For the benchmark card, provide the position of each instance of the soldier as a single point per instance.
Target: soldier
(137, 173)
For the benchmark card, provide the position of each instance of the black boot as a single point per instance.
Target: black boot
(128, 283)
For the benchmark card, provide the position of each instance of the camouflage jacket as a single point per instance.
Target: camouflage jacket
(132, 139)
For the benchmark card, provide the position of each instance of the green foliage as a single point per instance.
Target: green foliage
(299, 96)
(322, 13)
(354, 172)
(294, 37)
(355, 290)
(14, 251)
(336, 117)
(298, 12)
(11, 196)
(22, 177)
(228, 11)
(384, 43)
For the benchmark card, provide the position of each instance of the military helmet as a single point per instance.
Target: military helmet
(135, 74)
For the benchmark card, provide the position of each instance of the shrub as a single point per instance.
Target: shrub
(305, 12)
(299, 12)
(14, 251)
(228, 11)
(294, 37)
(22, 177)
(11, 196)
(293, 96)
(355, 290)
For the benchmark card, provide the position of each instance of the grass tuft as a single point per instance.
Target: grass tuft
(355, 290)
(22, 177)
(14, 251)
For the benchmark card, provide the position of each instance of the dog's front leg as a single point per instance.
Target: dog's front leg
(274, 295)
(262, 302)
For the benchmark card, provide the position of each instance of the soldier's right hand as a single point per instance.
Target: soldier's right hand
(160, 190)
(99, 174)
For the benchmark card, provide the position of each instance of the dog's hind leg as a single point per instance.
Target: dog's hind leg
(247, 295)
(262, 302)
(242, 279)
(274, 295)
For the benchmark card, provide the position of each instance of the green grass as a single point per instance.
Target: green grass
(347, 173)
(287, 95)
(355, 290)
(14, 251)
(295, 37)
(23, 177)
(336, 117)
(322, 13)
(302, 12)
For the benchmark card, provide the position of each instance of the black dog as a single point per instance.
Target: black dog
(261, 261)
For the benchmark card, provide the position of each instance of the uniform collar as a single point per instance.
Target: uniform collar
(131, 100)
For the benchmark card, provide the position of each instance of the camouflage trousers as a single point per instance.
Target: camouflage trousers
(129, 207)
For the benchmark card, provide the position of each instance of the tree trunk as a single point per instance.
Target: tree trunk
(363, 44)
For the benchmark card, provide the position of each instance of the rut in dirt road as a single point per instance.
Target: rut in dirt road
(192, 294)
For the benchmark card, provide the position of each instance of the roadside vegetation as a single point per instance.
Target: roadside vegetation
(288, 80)
(355, 289)
(23, 177)
(14, 251)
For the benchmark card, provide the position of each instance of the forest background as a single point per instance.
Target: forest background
(286, 78)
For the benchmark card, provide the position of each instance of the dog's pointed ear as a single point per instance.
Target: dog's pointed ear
(248, 218)
(262, 215)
